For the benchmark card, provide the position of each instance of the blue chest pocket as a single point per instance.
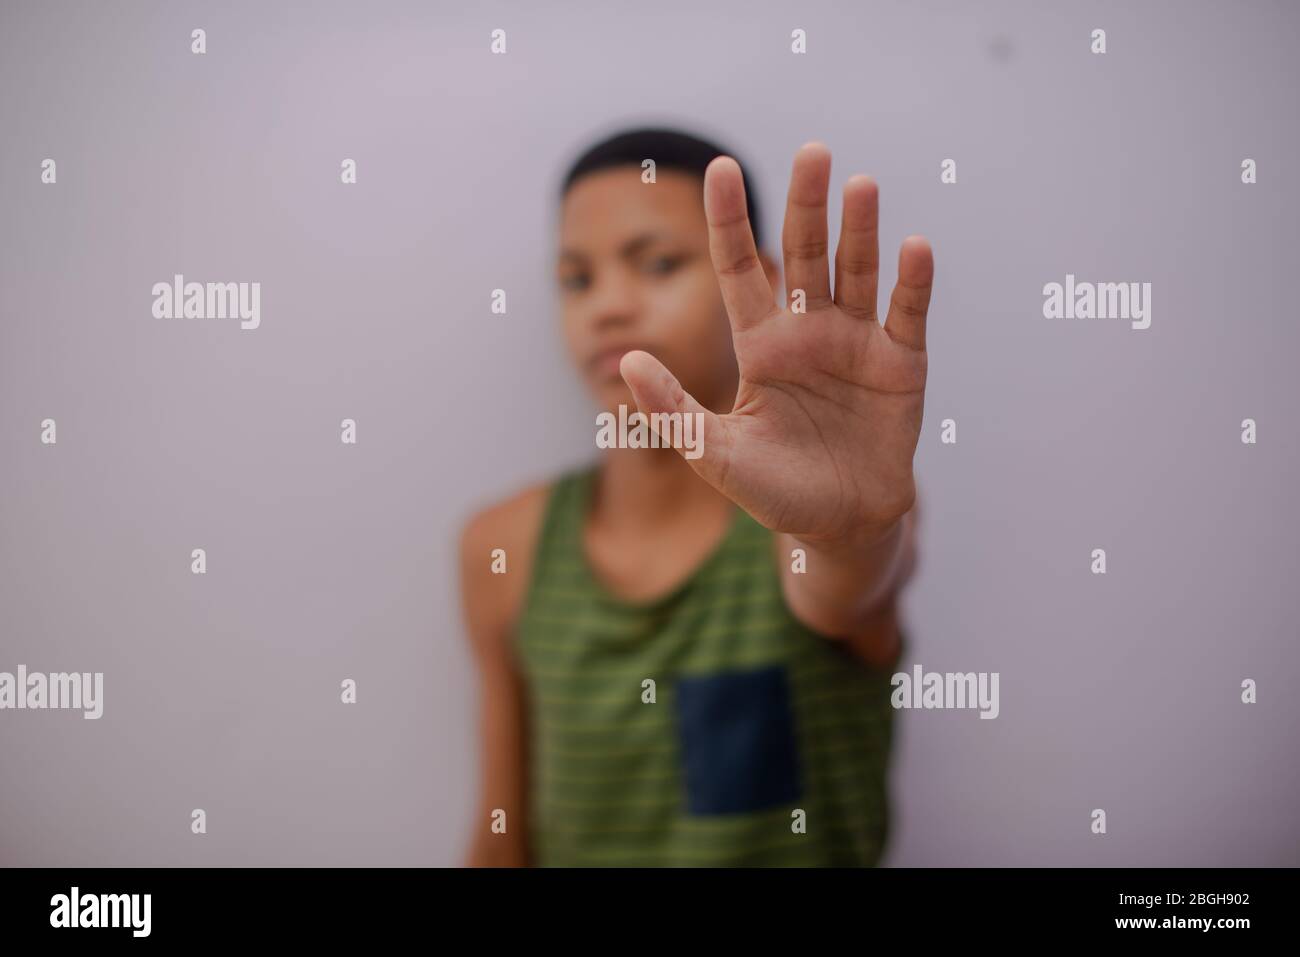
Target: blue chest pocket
(739, 748)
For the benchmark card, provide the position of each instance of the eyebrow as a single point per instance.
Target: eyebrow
(627, 250)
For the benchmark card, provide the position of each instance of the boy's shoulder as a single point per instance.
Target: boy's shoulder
(512, 523)
(517, 519)
(495, 582)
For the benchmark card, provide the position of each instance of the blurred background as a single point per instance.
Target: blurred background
(328, 561)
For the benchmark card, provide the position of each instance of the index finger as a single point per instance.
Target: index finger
(745, 289)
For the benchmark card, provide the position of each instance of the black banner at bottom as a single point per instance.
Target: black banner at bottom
(376, 905)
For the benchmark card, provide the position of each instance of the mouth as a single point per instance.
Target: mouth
(603, 365)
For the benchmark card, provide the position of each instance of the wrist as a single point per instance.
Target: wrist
(865, 543)
(848, 580)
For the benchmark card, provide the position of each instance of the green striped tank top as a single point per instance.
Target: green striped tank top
(758, 743)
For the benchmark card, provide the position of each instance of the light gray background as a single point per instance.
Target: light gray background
(327, 561)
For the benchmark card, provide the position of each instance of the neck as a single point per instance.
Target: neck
(647, 487)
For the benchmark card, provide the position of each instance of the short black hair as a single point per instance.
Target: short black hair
(670, 149)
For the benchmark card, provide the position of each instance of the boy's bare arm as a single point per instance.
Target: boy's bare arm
(491, 603)
(852, 595)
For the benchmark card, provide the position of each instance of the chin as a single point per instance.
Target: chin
(610, 395)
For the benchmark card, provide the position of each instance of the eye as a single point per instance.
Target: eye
(662, 265)
(575, 282)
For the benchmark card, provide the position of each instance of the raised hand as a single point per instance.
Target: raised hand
(828, 411)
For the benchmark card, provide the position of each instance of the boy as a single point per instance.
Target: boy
(689, 660)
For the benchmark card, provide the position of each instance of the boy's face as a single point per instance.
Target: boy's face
(635, 273)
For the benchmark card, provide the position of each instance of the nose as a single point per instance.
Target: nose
(614, 301)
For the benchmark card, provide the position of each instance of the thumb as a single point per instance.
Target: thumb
(698, 434)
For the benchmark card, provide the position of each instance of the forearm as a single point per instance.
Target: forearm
(840, 590)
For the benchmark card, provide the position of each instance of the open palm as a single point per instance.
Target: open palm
(828, 411)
